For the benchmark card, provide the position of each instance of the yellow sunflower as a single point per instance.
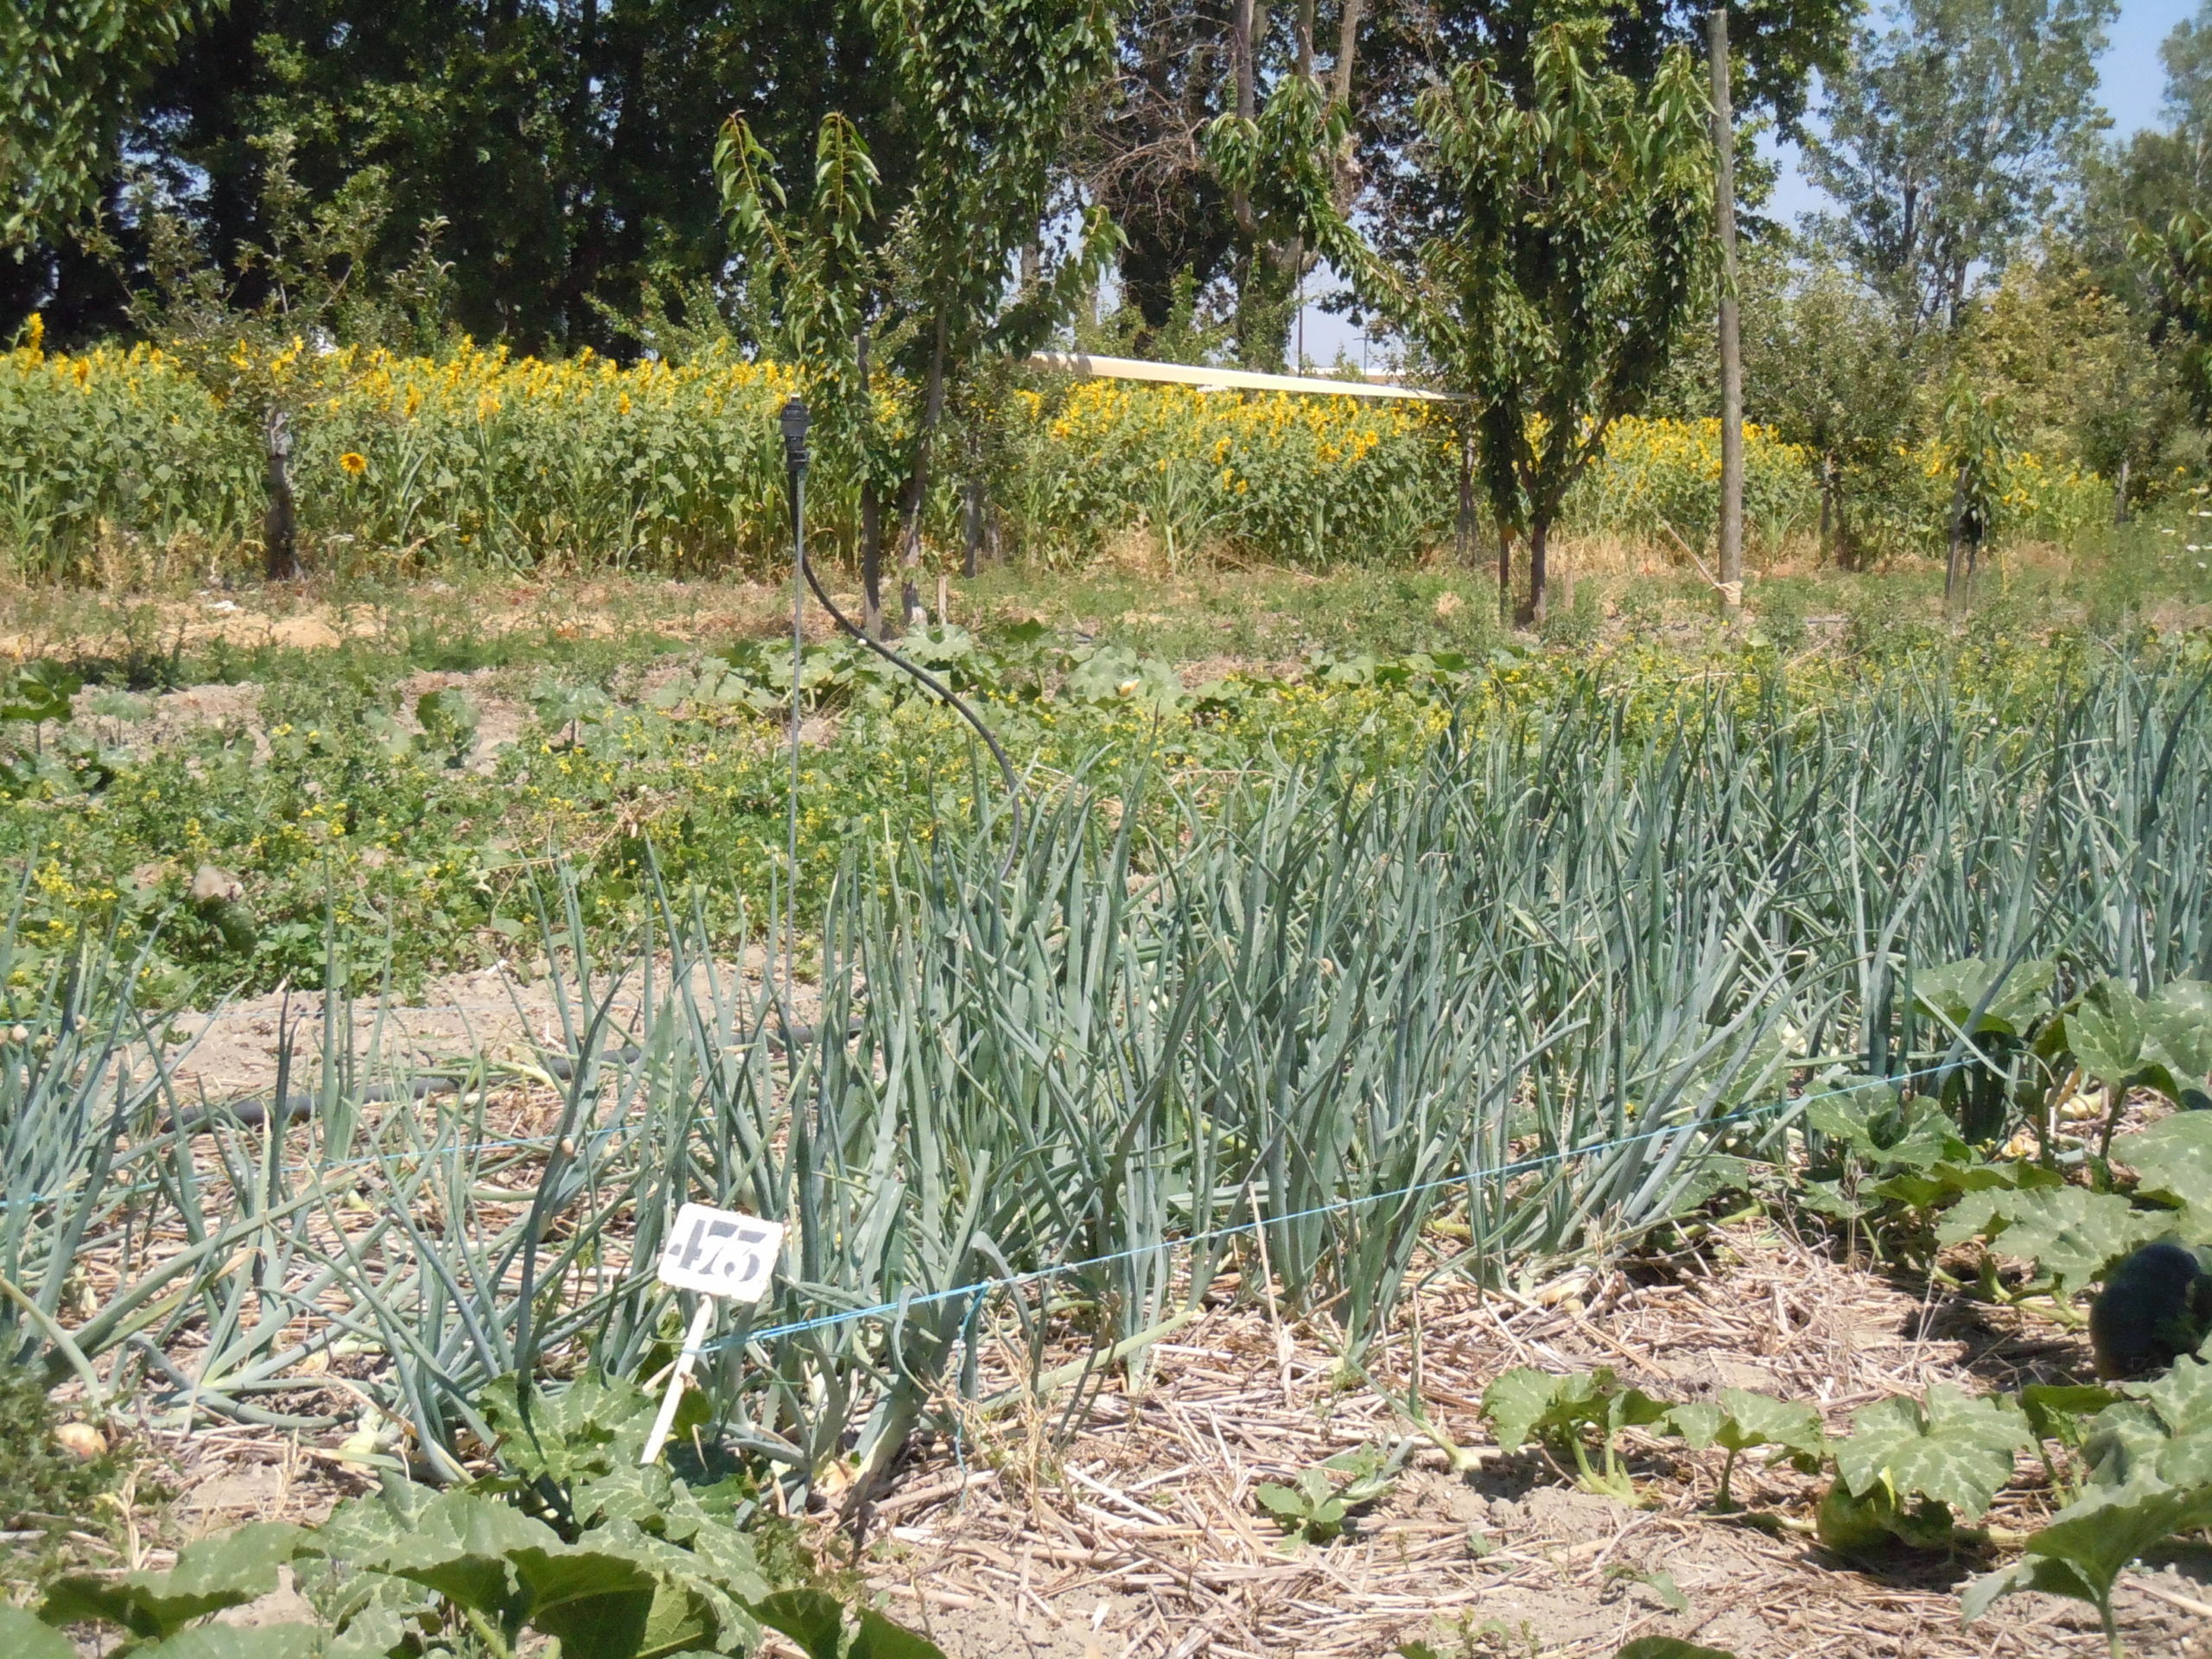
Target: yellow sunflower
(353, 462)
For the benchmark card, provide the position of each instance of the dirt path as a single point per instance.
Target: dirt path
(1142, 1536)
(494, 1015)
(1139, 1537)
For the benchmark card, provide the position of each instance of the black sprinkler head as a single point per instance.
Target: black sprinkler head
(794, 419)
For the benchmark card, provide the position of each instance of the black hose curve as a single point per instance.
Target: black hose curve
(941, 691)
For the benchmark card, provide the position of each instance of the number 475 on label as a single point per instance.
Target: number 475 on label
(721, 1252)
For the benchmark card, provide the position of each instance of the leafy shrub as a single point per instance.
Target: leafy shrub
(44, 1487)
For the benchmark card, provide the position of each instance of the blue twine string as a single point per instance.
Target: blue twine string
(977, 1289)
(980, 1287)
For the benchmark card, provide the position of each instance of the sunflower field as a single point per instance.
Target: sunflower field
(478, 458)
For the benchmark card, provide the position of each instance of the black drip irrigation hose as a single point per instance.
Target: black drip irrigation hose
(939, 690)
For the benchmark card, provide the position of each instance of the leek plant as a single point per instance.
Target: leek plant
(1552, 987)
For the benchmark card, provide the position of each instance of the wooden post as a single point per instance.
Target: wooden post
(871, 528)
(1732, 351)
(1464, 529)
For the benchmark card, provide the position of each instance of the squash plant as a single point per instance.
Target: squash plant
(1559, 1413)
(615, 1560)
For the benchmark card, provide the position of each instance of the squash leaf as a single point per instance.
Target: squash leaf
(1955, 1448)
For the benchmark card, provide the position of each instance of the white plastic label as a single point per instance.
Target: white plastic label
(720, 1252)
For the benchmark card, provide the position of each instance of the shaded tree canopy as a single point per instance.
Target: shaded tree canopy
(565, 143)
(567, 146)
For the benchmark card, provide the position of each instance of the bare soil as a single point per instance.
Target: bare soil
(1141, 1536)
(1136, 1535)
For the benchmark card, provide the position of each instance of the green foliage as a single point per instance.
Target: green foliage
(74, 66)
(2175, 258)
(226, 1570)
(2072, 1235)
(1567, 251)
(41, 691)
(983, 94)
(2162, 1429)
(26, 1635)
(1669, 1647)
(1744, 1420)
(2150, 1476)
(2082, 1553)
(43, 1488)
(1952, 1450)
(1559, 1412)
(1315, 1505)
(1854, 1525)
(2173, 1161)
(448, 719)
(1992, 1011)
(572, 1457)
(667, 1577)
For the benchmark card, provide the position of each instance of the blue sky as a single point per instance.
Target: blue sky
(2130, 82)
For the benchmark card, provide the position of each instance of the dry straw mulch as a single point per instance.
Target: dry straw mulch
(1139, 1538)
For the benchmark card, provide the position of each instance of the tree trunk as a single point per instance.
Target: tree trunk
(2120, 494)
(971, 514)
(1732, 355)
(871, 522)
(1464, 530)
(871, 562)
(1241, 55)
(1505, 572)
(1539, 533)
(1347, 45)
(1828, 509)
(280, 524)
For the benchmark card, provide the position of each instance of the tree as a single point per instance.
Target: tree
(2075, 369)
(563, 143)
(984, 93)
(1570, 246)
(71, 67)
(1829, 368)
(2160, 173)
(2177, 262)
(1183, 64)
(1139, 152)
(1774, 47)
(1950, 136)
(1974, 441)
(242, 336)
